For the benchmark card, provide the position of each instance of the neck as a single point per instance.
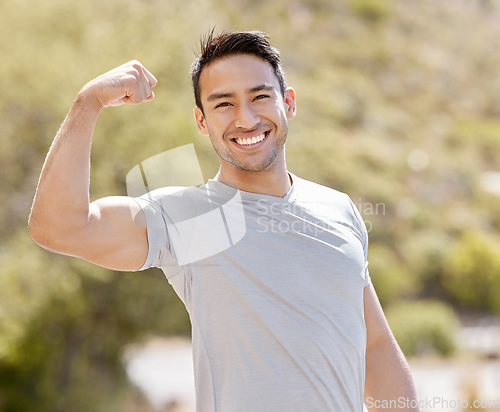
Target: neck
(274, 181)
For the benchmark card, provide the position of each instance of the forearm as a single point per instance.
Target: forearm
(62, 197)
(389, 385)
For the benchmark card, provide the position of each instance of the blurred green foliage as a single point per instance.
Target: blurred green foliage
(423, 327)
(471, 271)
(398, 105)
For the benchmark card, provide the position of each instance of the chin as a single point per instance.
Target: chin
(256, 167)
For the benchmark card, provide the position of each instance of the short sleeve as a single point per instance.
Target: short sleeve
(360, 224)
(157, 224)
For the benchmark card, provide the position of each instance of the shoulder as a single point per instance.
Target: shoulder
(330, 203)
(182, 203)
(312, 192)
(163, 193)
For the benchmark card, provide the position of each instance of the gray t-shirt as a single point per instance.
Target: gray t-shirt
(274, 290)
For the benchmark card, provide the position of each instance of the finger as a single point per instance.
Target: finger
(150, 97)
(142, 91)
(146, 87)
(118, 102)
(151, 79)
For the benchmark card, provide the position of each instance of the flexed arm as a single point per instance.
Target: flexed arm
(109, 232)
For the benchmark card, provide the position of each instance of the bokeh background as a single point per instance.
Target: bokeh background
(398, 106)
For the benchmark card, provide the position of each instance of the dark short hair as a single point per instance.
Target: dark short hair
(234, 43)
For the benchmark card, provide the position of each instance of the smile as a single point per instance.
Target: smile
(248, 141)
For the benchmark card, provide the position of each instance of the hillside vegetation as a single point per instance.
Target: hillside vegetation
(398, 106)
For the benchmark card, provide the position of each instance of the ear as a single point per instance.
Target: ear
(290, 107)
(200, 121)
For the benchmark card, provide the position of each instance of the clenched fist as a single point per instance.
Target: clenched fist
(129, 83)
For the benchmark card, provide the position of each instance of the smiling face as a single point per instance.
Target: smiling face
(244, 113)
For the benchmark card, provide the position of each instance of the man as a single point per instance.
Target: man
(284, 318)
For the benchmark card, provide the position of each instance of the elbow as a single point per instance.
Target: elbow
(45, 232)
(39, 234)
(382, 340)
(55, 234)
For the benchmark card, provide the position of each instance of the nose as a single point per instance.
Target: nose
(246, 118)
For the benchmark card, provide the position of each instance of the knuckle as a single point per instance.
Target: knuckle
(131, 77)
(137, 65)
(134, 75)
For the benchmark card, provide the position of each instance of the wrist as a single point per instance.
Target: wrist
(88, 99)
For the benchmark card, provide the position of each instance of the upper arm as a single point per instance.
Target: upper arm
(113, 236)
(116, 234)
(377, 328)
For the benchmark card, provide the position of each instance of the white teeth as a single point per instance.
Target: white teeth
(250, 140)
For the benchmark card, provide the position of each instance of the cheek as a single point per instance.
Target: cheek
(215, 130)
(280, 114)
(219, 124)
(278, 109)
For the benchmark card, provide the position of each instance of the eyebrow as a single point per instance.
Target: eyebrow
(261, 87)
(217, 96)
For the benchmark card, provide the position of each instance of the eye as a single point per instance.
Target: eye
(223, 104)
(262, 96)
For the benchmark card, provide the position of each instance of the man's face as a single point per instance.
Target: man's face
(245, 114)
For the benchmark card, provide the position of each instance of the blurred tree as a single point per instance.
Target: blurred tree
(397, 105)
(472, 271)
(422, 327)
